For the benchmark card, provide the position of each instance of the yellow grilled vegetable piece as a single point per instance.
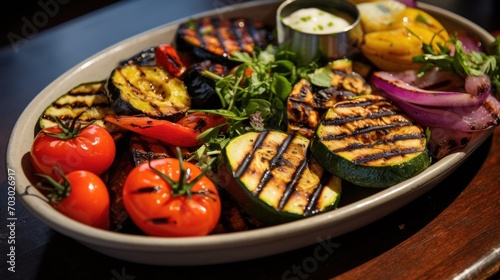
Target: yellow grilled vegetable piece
(149, 90)
(380, 15)
(411, 17)
(393, 50)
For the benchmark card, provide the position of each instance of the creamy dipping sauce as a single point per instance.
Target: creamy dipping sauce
(316, 21)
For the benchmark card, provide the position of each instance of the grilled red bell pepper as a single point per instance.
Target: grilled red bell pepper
(182, 133)
(167, 57)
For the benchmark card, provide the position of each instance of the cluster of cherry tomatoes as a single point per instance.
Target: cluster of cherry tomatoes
(164, 197)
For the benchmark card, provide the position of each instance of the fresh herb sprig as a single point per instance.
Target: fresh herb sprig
(463, 62)
(253, 97)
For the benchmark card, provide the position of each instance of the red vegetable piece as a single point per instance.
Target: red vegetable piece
(168, 58)
(200, 121)
(181, 134)
(402, 86)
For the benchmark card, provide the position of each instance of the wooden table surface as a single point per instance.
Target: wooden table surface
(450, 232)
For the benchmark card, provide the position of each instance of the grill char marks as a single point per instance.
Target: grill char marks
(275, 162)
(89, 98)
(149, 90)
(288, 163)
(302, 116)
(308, 102)
(249, 157)
(221, 37)
(292, 186)
(371, 131)
(237, 34)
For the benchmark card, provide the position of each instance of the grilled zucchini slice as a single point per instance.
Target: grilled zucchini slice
(370, 142)
(87, 101)
(273, 177)
(148, 90)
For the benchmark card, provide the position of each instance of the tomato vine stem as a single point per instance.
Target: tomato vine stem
(182, 186)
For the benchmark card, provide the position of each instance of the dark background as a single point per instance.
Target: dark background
(12, 20)
(31, 10)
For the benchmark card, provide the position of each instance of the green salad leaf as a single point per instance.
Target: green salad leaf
(464, 62)
(253, 97)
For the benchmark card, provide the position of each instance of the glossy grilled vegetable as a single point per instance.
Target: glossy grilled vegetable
(273, 178)
(148, 90)
(217, 38)
(168, 58)
(164, 55)
(308, 101)
(146, 57)
(393, 50)
(370, 142)
(183, 133)
(86, 101)
(201, 87)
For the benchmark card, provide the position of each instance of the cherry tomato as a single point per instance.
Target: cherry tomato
(72, 148)
(82, 196)
(166, 198)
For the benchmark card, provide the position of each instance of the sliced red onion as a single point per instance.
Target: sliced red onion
(444, 141)
(469, 41)
(465, 119)
(478, 85)
(434, 79)
(399, 85)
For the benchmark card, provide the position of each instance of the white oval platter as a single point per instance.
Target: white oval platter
(222, 248)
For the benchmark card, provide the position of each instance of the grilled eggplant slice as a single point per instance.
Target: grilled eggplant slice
(87, 101)
(370, 142)
(273, 177)
(146, 57)
(216, 38)
(148, 90)
(201, 87)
